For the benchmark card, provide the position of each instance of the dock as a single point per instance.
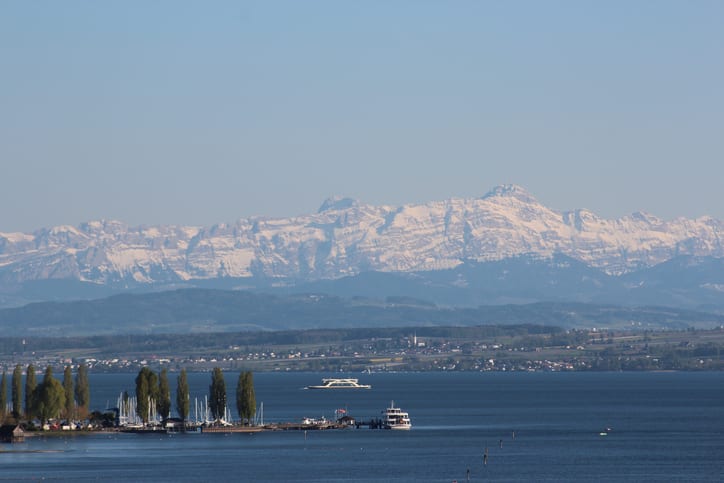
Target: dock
(232, 429)
(371, 424)
(304, 427)
(307, 424)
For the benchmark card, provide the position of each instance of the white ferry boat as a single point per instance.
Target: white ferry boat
(395, 418)
(341, 384)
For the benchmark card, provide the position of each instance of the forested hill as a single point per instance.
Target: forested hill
(201, 311)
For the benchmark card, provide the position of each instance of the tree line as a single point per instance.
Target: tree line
(70, 399)
(49, 399)
(153, 395)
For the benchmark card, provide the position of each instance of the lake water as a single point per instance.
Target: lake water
(663, 427)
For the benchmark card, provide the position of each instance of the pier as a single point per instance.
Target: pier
(232, 429)
(371, 424)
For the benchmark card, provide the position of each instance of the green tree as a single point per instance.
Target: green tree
(240, 396)
(69, 393)
(164, 395)
(146, 393)
(30, 385)
(82, 390)
(3, 396)
(183, 397)
(246, 397)
(217, 394)
(17, 391)
(142, 395)
(48, 397)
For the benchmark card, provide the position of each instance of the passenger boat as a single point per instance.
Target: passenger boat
(396, 418)
(341, 384)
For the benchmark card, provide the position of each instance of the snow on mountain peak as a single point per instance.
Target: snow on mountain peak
(641, 216)
(346, 237)
(510, 191)
(337, 203)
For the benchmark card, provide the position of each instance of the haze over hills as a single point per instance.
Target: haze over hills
(503, 247)
(205, 311)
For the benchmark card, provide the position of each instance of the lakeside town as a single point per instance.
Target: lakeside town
(451, 350)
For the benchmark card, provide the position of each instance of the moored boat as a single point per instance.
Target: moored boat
(396, 418)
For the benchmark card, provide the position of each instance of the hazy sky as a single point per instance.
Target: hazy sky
(202, 112)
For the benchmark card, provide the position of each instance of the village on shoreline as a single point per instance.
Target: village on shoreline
(423, 349)
(481, 349)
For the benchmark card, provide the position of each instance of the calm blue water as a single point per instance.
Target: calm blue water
(664, 427)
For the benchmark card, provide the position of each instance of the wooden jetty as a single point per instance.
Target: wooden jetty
(192, 429)
(371, 424)
(149, 430)
(232, 429)
(304, 427)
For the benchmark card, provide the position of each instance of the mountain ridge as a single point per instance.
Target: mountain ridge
(346, 238)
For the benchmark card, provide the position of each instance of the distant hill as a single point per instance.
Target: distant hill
(693, 283)
(201, 310)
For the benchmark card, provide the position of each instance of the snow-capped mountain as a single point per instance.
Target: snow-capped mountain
(347, 237)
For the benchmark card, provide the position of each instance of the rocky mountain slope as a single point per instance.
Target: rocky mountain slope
(346, 238)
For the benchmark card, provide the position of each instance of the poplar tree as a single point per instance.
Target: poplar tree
(30, 385)
(164, 395)
(142, 396)
(217, 394)
(240, 396)
(3, 397)
(17, 391)
(69, 393)
(182, 396)
(146, 393)
(82, 390)
(246, 397)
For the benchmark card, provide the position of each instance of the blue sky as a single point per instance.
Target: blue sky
(205, 112)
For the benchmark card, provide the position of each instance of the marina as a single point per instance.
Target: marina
(393, 418)
(128, 421)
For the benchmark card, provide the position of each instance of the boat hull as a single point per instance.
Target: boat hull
(339, 387)
(340, 383)
(398, 427)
